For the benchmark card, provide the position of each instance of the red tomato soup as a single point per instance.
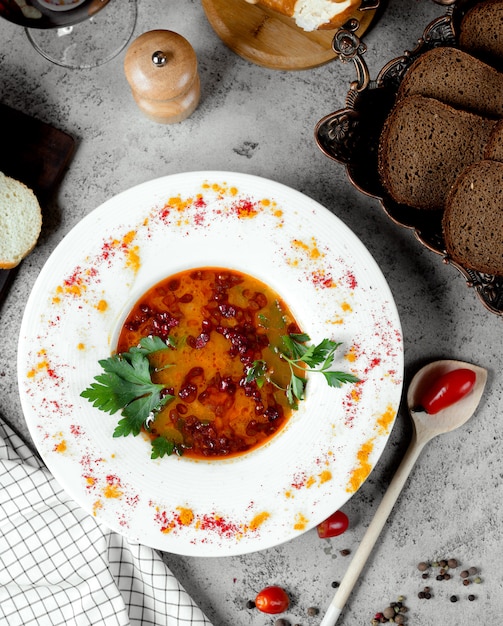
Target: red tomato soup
(219, 322)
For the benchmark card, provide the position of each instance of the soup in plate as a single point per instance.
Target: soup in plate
(223, 371)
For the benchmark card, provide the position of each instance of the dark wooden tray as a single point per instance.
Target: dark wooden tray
(35, 153)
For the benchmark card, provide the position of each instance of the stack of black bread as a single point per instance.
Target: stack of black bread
(441, 147)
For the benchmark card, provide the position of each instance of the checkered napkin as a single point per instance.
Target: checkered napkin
(59, 566)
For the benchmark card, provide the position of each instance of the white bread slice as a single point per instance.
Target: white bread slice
(313, 15)
(20, 221)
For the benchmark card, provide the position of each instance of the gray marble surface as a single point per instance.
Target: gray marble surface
(261, 121)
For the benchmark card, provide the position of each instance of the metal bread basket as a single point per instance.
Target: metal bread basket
(350, 136)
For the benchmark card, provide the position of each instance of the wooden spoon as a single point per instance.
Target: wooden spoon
(425, 428)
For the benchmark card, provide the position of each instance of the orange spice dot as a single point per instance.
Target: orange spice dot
(351, 355)
(186, 515)
(128, 237)
(325, 476)
(310, 481)
(97, 506)
(364, 467)
(312, 249)
(76, 290)
(133, 259)
(338, 321)
(90, 480)
(81, 346)
(60, 447)
(258, 520)
(386, 419)
(112, 491)
(102, 306)
(300, 522)
(345, 306)
(356, 394)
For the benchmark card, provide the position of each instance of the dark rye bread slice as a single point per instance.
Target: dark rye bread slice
(494, 148)
(481, 32)
(423, 147)
(456, 78)
(473, 218)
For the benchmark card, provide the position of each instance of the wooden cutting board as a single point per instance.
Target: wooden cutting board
(270, 39)
(35, 153)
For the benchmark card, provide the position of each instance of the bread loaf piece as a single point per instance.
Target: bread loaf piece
(481, 29)
(20, 221)
(456, 78)
(314, 14)
(424, 145)
(473, 218)
(494, 147)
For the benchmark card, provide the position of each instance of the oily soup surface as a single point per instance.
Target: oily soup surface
(219, 322)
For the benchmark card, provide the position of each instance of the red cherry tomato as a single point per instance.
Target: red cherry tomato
(272, 600)
(448, 389)
(334, 525)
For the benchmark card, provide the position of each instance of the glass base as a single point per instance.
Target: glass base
(90, 43)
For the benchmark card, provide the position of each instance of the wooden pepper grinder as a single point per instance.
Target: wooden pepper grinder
(161, 69)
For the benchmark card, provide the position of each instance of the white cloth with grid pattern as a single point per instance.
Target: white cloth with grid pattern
(58, 566)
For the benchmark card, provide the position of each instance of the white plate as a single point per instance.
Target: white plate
(333, 287)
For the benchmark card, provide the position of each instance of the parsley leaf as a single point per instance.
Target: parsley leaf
(257, 372)
(307, 358)
(337, 379)
(162, 446)
(126, 385)
(153, 343)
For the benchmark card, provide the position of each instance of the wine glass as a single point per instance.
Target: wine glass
(74, 33)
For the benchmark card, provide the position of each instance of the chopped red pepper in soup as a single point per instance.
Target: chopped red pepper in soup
(220, 322)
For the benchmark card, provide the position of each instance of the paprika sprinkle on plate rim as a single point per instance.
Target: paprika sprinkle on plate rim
(333, 288)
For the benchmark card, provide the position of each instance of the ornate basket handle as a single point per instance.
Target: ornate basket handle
(349, 47)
